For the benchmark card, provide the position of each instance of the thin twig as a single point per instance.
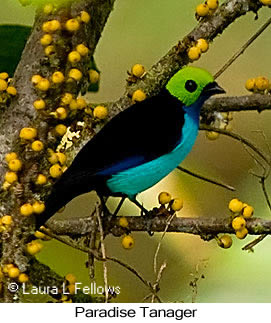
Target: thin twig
(160, 242)
(212, 181)
(253, 243)
(243, 48)
(103, 252)
(237, 137)
(159, 276)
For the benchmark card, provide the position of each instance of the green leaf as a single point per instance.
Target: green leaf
(12, 39)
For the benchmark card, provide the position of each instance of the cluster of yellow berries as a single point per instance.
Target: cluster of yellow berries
(194, 52)
(14, 165)
(12, 271)
(173, 205)
(224, 122)
(58, 161)
(206, 8)
(28, 209)
(240, 212)
(266, 2)
(259, 84)
(5, 222)
(5, 86)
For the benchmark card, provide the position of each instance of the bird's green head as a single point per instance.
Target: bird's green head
(193, 83)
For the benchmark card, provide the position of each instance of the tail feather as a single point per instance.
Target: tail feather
(61, 194)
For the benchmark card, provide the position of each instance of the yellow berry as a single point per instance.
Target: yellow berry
(33, 247)
(250, 84)
(138, 70)
(261, 83)
(26, 209)
(28, 133)
(176, 204)
(123, 222)
(55, 171)
(52, 26)
(164, 198)
(6, 185)
(62, 158)
(72, 25)
(3, 85)
(127, 242)
(238, 223)
(23, 278)
(66, 99)
(71, 278)
(58, 77)
(82, 49)
(41, 179)
(15, 165)
(138, 96)
(266, 2)
(39, 104)
(202, 10)
(241, 234)
(61, 129)
(13, 272)
(53, 159)
(225, 241)
(61, 113)
(48, 8)
(6, 268)
(49, 50)
(100, 112)
(43, 85)
(212, 4)
(73, 104)
(46, 40)
(75, 74)
(74, 57)
(235, 206)
(46, 26)
(81, 103)
(212, 135)
(36, 79)
(247, 211)
(3, 76)
(38, 207)
(85, 17)
(6, 219)
(202, 44)
(11, 156)
(11, 177)
(37, 145)
(94, 76)
(193, 53)
(11, 90)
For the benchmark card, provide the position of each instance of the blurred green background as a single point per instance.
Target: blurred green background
(141, 32)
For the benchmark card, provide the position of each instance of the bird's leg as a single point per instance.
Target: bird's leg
(143, 210)
(119, 206)
(103, 202)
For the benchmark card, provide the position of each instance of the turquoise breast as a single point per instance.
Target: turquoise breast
(138, 179)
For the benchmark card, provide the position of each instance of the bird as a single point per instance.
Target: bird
(139, 146)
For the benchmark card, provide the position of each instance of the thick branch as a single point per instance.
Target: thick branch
(199, 226)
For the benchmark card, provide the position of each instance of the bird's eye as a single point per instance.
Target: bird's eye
(191, 86)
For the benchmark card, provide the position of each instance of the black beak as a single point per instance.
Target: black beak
(213, 88)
